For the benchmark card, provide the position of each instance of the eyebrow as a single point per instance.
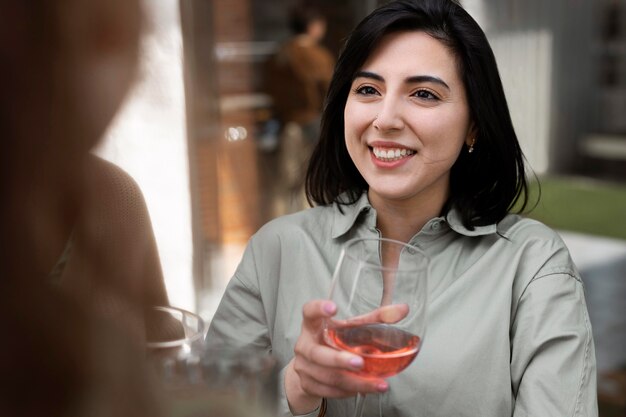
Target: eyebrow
(412, 79)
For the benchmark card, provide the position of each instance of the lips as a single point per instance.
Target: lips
(388, 154)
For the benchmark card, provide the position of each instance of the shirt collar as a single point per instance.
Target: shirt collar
(345, 216)
(453, 218)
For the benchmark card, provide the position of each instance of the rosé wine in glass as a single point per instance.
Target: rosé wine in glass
(385, 349)
(380, 289)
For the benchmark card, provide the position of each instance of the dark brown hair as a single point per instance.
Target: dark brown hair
(484, 185)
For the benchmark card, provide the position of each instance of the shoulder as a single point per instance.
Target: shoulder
(108, 177)
(513, 234)
(286, 237)
(538, 249)
(115, 206)
(325, 53)
(313, 223)
(285, 245)
(113, 190)
(530, 234)
(519, 229)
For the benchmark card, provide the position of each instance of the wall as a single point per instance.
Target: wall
(543, 49)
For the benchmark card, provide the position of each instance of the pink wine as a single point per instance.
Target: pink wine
(385, 349)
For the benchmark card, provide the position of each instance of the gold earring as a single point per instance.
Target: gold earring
(471, 147)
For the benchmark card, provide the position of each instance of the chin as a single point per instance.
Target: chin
(391, 195)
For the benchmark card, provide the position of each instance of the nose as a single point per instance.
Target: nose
(389, 117)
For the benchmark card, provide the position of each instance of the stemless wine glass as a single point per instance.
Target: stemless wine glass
(380, 289)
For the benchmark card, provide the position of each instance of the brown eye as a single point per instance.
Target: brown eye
(366, 90)
(426, 95)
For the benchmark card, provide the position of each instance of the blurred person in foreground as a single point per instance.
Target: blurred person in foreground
(297, 79)
(417, 145)
(79, 263)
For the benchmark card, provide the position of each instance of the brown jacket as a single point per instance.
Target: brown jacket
(297, 80)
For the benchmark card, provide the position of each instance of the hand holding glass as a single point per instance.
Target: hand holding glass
(380, 289)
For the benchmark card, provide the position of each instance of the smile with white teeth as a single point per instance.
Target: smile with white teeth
(391, 154)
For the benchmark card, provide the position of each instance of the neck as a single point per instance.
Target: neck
(403, 219)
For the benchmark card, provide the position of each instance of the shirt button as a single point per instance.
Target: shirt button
(436, 226)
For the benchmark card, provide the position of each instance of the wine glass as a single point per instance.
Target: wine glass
(380, 289)
(196, 378)
(174, 343)
(172, 333)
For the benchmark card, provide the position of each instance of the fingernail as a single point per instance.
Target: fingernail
(356, 362)
(329, 307)
(382, 387)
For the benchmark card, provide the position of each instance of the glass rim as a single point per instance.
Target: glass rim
(182, 341)
(353, 241)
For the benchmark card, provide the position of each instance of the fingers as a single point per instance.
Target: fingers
(393, 313)
(314, 312)
(322, 370)
(386, 314)
(339, 382)
(323, 355)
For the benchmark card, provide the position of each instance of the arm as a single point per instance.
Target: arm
(552, 353)
(245, 318)
(315, 372)
(127, 236)
(114, 256)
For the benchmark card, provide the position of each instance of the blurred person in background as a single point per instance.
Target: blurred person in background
(298, 76)
(79, 262)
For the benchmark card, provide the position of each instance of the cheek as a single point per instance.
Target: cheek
(445, 137)
(356, 121)
(349, 128)
(353, 134)
(352, 143)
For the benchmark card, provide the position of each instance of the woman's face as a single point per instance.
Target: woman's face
(406, 118)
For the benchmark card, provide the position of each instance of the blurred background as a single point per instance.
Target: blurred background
(192, 134)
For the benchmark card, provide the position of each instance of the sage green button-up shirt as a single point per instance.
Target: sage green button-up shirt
(508, 331)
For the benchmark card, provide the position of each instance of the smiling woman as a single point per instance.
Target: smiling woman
(417, 145)
(406, 120)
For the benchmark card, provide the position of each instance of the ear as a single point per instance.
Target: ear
(472, 133)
